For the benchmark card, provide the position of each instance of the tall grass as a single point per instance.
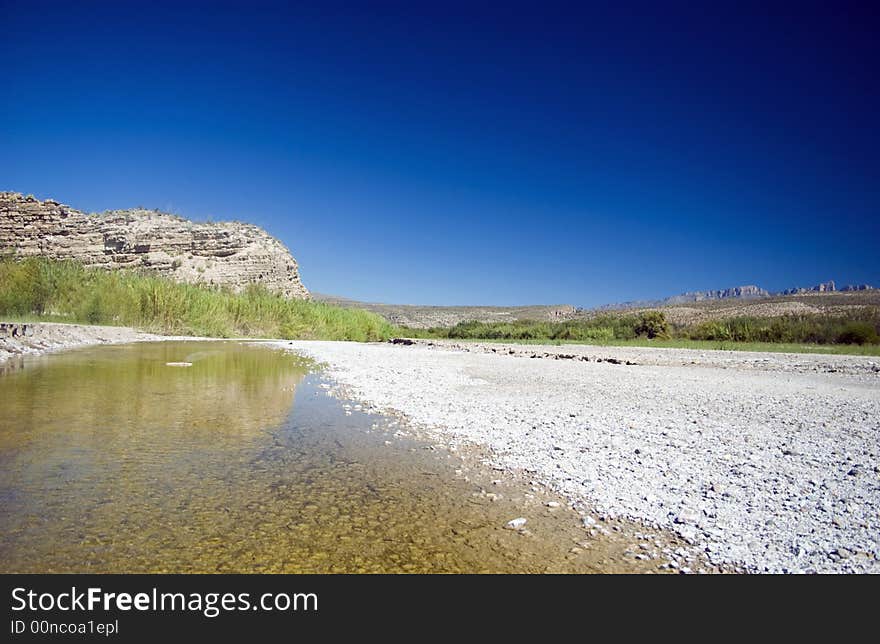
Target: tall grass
(37, 288)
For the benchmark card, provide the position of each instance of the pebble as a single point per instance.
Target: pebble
(778, 436)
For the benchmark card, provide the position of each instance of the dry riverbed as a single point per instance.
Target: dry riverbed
(766, 461)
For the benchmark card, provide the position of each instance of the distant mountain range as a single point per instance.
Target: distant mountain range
(736, 293)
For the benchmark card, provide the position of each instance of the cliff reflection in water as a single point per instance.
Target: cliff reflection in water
(129, 394)
(113, 461)
(94, 443)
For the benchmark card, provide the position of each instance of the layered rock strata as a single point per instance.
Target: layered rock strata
(228, 254)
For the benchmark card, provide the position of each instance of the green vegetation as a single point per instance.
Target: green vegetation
(808, 329)
(42, 289)
(652, 324)
(858, 333)
(600, 329)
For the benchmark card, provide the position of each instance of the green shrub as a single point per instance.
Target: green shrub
(858, 333)
(860, 327)
(597, 329)
(711, 330)
(652, 324)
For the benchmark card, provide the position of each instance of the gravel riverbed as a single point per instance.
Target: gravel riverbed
(765, 461)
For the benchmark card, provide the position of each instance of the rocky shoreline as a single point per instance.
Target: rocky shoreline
(765, 461)
(863, 366)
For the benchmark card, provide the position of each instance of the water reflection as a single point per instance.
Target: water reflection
(111, 441)
(113, 461)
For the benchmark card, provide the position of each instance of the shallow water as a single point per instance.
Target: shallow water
(111, 460)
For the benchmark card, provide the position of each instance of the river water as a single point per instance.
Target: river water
(114, 460)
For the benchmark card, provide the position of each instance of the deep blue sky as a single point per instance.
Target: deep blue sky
(464, 155)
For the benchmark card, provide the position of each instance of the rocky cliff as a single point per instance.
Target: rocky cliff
(827, 287)
(734, 292)
(739, 292)
(750, 292)
(227, 254)
(824, 287)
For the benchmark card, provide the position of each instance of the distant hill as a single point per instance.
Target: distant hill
(735, 292)
(827, 287)
(423, 317)
(687, 308)
(748, 292)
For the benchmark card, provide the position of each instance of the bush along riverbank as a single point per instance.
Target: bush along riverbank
(858, 331)
(42, 289)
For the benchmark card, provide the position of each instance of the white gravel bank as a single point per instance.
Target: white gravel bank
(765, 460)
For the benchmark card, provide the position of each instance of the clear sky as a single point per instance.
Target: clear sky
(476, 153)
